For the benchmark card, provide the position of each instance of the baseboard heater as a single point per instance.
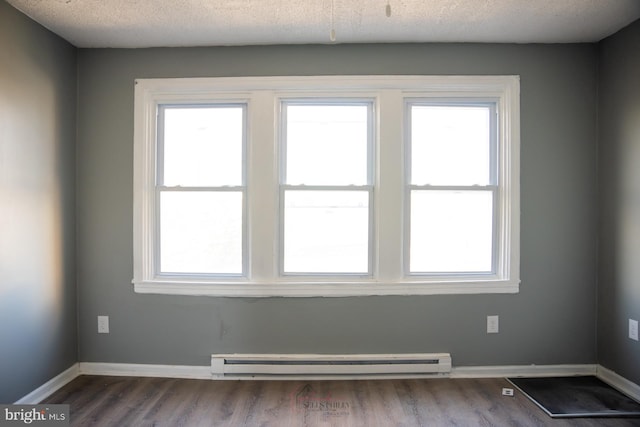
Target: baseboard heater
(329, 366)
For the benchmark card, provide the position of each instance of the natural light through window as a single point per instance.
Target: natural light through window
(200, 176)
(326, 186)
(452, 187)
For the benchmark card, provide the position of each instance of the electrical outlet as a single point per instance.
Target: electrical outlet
(633, 329)
(493, 324)
(103, 324)
(507, 391)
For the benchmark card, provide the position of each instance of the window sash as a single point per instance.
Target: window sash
(322, 100)
(481, 103)
(370, 231)
(160, 144)
(493, 186)
(493, 271)
(158, 224)
(160, 188)
(285, 187)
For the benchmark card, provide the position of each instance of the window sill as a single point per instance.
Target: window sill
(331, 289)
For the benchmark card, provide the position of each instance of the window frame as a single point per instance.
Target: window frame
(495, 178)
(284, 186)
(263, 95)
(160, 187)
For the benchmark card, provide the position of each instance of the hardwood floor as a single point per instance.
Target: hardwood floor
(129, 401)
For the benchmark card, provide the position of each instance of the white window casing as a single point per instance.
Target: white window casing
(388, 96)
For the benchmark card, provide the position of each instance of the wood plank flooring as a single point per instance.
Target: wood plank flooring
(132, 401)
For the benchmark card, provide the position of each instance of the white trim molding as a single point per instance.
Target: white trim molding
(51, 386)
(144, 370)
(618, 382)
(204, 372)
(522, 371)
(387, 272)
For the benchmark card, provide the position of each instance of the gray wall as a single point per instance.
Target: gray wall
(551, 321)
(38, 321)
(619, 169)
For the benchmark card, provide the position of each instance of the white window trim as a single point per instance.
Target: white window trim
(263, 94)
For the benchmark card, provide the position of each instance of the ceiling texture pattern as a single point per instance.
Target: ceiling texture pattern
(155, 23)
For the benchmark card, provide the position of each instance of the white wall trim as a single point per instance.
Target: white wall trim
(140, 370)
(522, 371)
(204, 372)
(48, 388)
(616, 381)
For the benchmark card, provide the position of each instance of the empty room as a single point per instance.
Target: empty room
(330, 212)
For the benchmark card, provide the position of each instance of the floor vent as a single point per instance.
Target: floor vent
(294, 366)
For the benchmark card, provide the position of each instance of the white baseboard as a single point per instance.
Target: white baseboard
(204, 372)
(629, 388)
(139, 370)
(522, 371)
(48, 388)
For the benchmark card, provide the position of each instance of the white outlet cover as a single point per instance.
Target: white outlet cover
(103, 324)
(633, 329)
(493, 324)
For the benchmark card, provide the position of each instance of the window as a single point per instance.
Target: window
(452, 187)
(200, 189)
(326, 186)
(326, 216)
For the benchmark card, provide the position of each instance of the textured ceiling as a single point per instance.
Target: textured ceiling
(146, 23)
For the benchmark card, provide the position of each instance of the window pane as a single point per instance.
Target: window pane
(451, 231)
(327, 144)
(326, 232)
(201, 232)
(203, 146)
(450, 145)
